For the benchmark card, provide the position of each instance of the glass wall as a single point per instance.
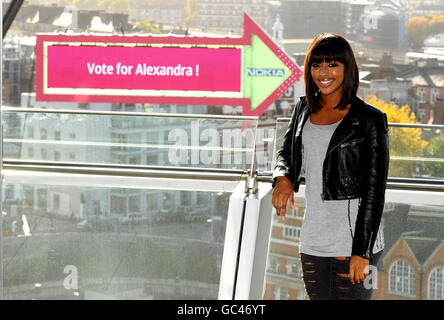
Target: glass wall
(140, 139)
(119, 200)
(80, 242)
(84, 219)
(412, 223)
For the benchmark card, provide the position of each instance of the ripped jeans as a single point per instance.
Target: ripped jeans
(326, 278)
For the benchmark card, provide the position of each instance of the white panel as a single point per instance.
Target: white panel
(231, 245)
(254, 247)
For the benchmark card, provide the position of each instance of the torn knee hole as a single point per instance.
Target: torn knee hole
(342, 275)
(340, 258)
(308, 263)
(313, 294)
(311, 281)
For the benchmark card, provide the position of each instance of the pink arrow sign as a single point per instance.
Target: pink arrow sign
(164, 69)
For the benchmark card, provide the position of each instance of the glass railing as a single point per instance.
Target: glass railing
(410, 266)
(98, 226)
(63, 241)
(129, 138)
(109, 205)
(415, 149)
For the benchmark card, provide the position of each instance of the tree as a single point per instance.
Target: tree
(118, 6)
(436, 23)
(191, 10)
(435, 150)
(406, 144)
(146, 26)
(418, 30)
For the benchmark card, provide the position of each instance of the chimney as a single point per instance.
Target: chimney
(75, 16)
(432, 63)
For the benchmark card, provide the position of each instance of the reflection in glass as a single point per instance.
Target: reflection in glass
(409, 267)
(415, 152)
(142, 139)
(66, 242)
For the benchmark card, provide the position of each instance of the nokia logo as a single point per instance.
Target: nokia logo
(260, 72)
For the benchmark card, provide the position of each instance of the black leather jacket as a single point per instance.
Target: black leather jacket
(355, 166)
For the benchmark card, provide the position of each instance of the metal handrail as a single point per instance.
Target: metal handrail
(394, 124)
(424, 184)
(133, 114)
(417, 184)
(9, 16)
(127, 170)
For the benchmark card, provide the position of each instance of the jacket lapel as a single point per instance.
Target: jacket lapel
(347, 127)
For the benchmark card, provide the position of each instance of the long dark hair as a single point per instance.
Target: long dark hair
(329, 47)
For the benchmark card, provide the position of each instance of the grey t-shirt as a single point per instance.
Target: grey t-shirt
(326, 227)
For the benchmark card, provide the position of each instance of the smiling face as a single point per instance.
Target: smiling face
(328, 77)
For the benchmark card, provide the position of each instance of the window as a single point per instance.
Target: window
(134, 204)
(9, 192)
(421, 95)
(43, 154)
(56, 156)
(402, 279)
(43, 134)
(28, 193)
(57, 135)
(292, 232)
(30, 152)
(151, 201)
(294, 269)
(83, 105)
(118, 204)
(434, 95)
(30, 132)
(42, 199)
(56, 199)
(420, 115)
(436, 284)
(283, 293)
(272, 265)
(134, 160)
(152, 159)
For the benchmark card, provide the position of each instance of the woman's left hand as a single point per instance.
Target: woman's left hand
(359, 269)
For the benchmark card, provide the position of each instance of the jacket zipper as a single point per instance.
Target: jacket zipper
(342, 140)
(323, 164)
(368, 247)
(352, 143)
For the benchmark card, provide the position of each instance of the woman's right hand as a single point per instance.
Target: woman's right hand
(283, 190)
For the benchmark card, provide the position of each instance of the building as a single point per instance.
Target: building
(39, 18)
(284, 274)
(412, 264)
(101, 140)
(354, 10)
(168, 13)
(382, 25)
(227, 15)
(380, 79)
(428, 85)
(306, 19)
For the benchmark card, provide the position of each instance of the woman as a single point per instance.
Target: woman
(338, 145)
